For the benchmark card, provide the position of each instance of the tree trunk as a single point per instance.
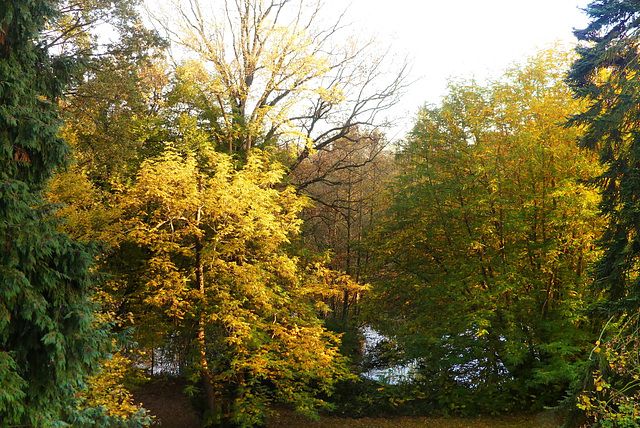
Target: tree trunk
(209, 393)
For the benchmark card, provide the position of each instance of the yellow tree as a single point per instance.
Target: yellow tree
(216, 269)
(279, 76)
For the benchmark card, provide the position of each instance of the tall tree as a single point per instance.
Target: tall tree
(606, 75)
(110, 111)
(481, 271)
(214, 270)
(281, 78)
(49, 337)
(111, 107)
(344, 183)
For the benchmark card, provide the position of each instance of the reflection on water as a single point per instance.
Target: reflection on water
(392, 374)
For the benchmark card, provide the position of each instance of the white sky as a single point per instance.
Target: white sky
(462, 38)
(457, 38)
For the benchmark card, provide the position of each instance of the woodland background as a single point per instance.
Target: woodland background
(200, 197)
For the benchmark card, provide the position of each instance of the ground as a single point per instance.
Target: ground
(541, 420)
(165, 399)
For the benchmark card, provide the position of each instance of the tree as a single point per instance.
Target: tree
(344, 182)
(278, 78)
(214, 270)
(112, 106)
(49, 336)
(605, 75)
(482, 256)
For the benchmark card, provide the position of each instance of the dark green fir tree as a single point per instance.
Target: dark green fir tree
(607, 75)
(49, 337)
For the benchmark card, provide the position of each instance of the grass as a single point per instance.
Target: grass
(291, 420)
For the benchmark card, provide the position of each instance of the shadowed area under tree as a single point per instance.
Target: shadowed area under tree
(165, 399)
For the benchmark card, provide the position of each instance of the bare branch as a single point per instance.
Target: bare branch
(280, 74)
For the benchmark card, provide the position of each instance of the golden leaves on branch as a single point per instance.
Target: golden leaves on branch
(216, 233)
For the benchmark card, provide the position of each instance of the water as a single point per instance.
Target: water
(394, 374)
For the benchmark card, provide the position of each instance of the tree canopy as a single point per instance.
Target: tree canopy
(224, 207)
(482, 257)
(215, 268)
(279, 74)
(605, 77)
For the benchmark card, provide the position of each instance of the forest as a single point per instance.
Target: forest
(200, 203)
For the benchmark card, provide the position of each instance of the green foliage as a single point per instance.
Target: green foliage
(612, 396)
(606, 75)
(110, 124)
(351, 339)
(111, 113)
(482, 256)
(32, 80)
(192, 108)
(367, 398)
(49, 336)
(426, 396)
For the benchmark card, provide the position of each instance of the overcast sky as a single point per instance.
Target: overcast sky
(462, 38)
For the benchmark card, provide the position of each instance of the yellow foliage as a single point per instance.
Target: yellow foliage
(90, 214)
(215, 234)
(105, 389)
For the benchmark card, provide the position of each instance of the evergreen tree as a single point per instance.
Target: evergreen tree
(606, 74)
(49, 337)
